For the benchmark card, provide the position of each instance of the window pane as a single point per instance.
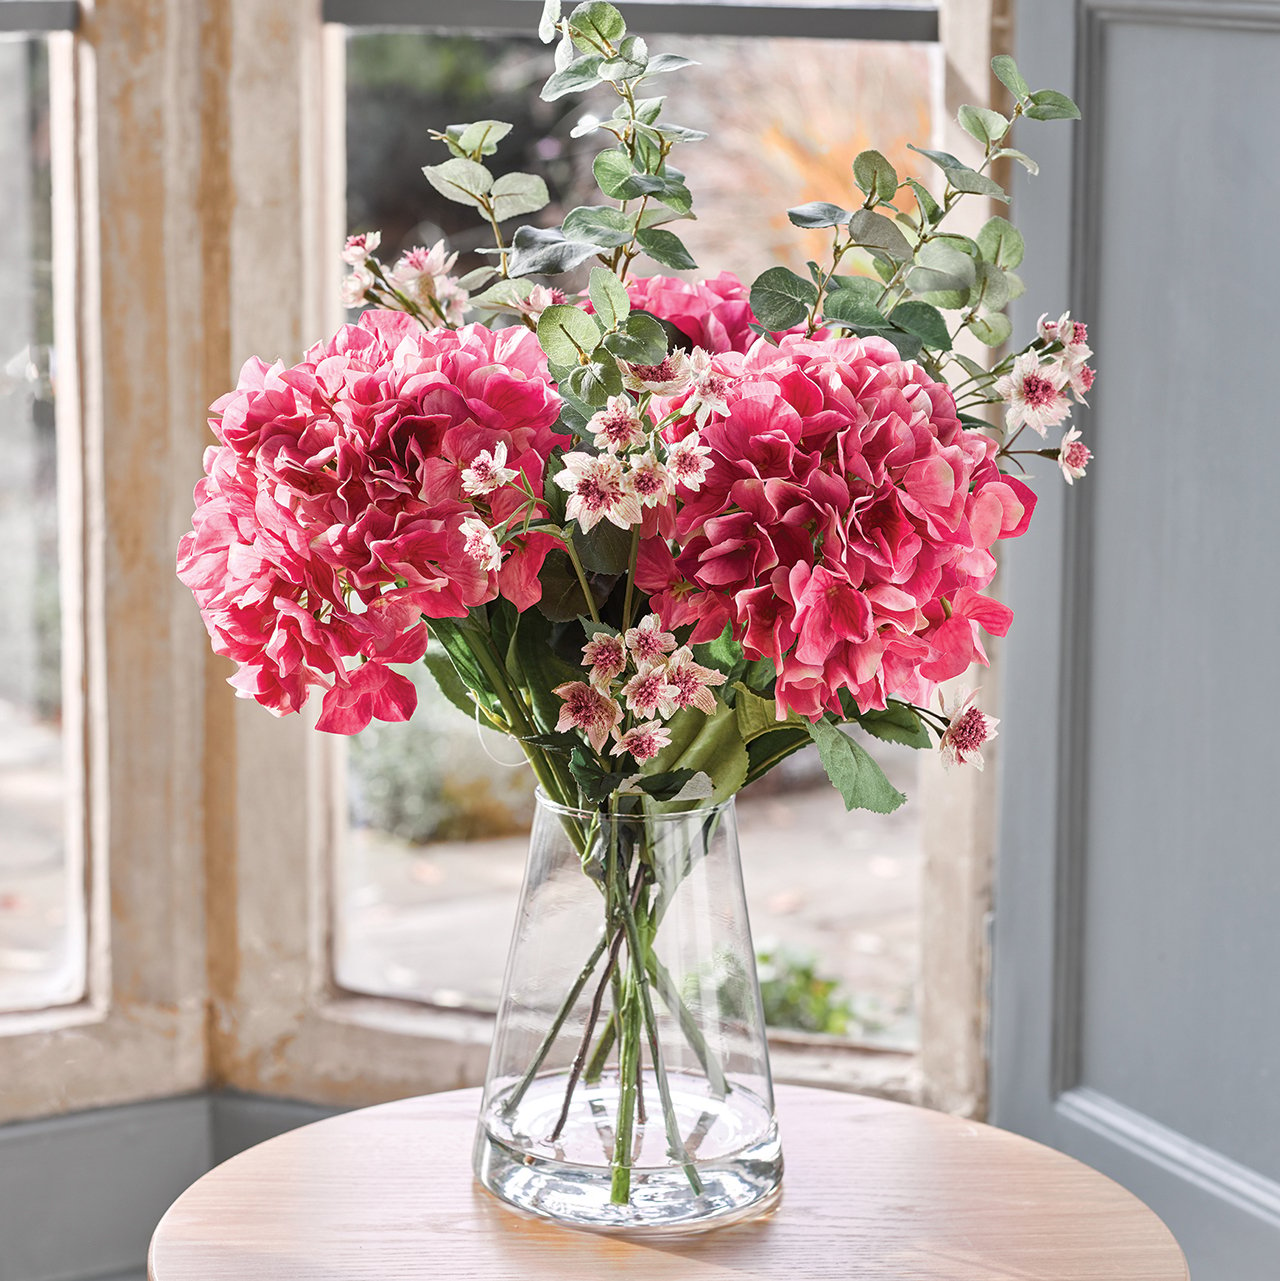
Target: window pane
(428, 877)
(41, 899)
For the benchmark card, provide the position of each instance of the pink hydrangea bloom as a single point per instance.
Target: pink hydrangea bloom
(843, 529)
(713, 314)
(333, 515)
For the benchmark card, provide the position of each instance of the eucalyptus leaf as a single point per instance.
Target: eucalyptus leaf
(566, 333)
(875, 231)
(665, 247)
(781, 299)
(594, 382)
(477, 278)
(609, 297)
(858, 779)
(875, 176)
(681, 133)
(990, 290)
(960, 176)
(640, 340)
(518, 193)
(630, 62)
(550, 17)
(857, 307)
(1049, 104)
(929, 207)
(818, 213)
(463, 181)
(993, 329)
(1007, 73)
(1000, 243)
(1021, 157)
(596, 23)
(504, 295)
(545, 251)
(925, 322)
(581, 74)
(983, 124)
(481, 135)
(601, 225)
(664, 62)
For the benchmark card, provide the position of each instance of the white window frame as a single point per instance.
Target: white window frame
(197, 218)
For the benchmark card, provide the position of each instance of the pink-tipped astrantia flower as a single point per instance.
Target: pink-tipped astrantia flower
(1080, 379)
(967, 729)
(596, 492)
(488, 472)
(647, 643)
(606, 655)
(1034, 393)
(358, 248)
(356, 286)
(618, 426)
(689, 461)
(669, 378)
(649, 693)
(481, 545)
(648, 479)
(587, 709)
(643, 741)
(1073, 456)
(693, 681)
(1072, 334)
(422, 276)
(709, 388)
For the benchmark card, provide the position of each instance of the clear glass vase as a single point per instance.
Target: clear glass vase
(628, 1084)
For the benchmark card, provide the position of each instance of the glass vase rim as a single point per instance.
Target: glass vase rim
(556, 807)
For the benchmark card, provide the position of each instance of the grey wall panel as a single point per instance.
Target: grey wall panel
(240, 1121)
(1179, 951)
(79, 1195)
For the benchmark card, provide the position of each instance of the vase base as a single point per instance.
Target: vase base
(569, 1182)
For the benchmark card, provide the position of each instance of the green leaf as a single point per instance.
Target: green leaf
(1049, 104)
(595, 382)
(724, 654)
(665, 247)
(781, 299)
(550, 17)
(518, 193)
(609, 297)
(566, 333)
(858, 779)
(994, 330)
(667, 785)
(451, 685)
(875, 176)
(458, 638)
(604, 549)
(943, 275)
(875, 231)
(710, 744)
(990, 290)
(818, 213)
(537, 668)
(1021, 157)
(897, 723)
(854, 302)
(601, 225)
(1000, 243)
(582, 73)
(595, 24)
(631, 60)
(594, 784)
(681, 133)
(617, 178)
(971, 367)
(1007, 73)
(481, 135)
(545, 251)
(641, 340)
(504, 295)
(462, 181)
(758, 715)
(562, 599)
(925, 322)
(983, 124)
(924, 198)
(665, 62)
(960, 176)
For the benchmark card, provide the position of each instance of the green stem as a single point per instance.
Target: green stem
(631, 576)
(582, 578)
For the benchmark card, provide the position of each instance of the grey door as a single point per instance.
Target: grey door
(1136, 998)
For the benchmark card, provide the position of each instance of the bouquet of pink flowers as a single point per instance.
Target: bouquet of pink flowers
(664, 532)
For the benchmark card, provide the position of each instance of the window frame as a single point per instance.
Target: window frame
(215, 145)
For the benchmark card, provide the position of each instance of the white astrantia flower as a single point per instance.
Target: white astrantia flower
(1035, 393)
(618, 426)
(488, 471)
(671, 377)
(967, 729)
(356, 286)
(596, 492)
(1072, 334)
(647, 643)
(481, 545)
(650, 480)
(643, 741)
(1073, 456)
(688, 461)
(422, 276)
(358, 248)
(709, 388)
(649, 693)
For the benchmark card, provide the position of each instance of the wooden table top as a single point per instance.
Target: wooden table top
(873, 1191)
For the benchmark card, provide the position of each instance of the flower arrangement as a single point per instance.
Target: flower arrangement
(663, 532)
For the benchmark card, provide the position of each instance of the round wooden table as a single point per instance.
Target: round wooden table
(874, 1191)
